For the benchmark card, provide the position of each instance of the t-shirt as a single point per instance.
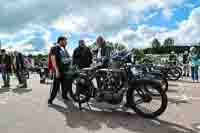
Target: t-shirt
(62, 58)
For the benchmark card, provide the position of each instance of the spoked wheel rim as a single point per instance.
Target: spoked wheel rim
(174, 74)
(80, 93)
(149, 102)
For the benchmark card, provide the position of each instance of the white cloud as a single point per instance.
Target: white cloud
(27, 17)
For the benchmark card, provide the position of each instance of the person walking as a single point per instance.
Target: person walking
(19, 68)
(186, 69)
(194, 64)
(82, 56)
(5, 62)
(61, 62)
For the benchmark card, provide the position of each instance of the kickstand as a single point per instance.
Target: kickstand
(79, 103)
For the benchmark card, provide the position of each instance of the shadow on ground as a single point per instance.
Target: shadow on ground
(4, 90)
(21, 90)
(96, 120)
(173, 85)
(178, 101)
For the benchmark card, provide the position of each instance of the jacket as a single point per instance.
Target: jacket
(82, 57)
(105, 52)
(6, 61)
(19, 61)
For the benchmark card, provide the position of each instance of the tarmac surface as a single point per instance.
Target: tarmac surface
(27, 111)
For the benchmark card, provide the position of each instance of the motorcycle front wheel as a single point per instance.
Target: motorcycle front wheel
(81, 90)
(174, 74)
(147, 98)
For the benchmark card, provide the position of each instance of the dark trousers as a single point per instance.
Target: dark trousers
(21, 77)
(66, 85)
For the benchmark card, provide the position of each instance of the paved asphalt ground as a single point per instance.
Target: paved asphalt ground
(26, 111)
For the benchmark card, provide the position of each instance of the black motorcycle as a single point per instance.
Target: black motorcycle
(144, 96)
(170, 72)
(146, 72)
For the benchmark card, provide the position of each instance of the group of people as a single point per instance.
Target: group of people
(61, 61)
(191, 63)
(12, 62)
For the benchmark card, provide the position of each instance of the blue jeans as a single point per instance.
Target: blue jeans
(6, 77)
(195, 75)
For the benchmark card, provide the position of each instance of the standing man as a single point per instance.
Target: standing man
(103, 51)
(186, 60)
(19, 68)
(61, 62)
(173, 58)
(82, 56)
(5, 62)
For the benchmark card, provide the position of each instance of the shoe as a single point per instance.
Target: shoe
(7, 85)
(23, 86)
(19, 85)
(50, 102)
(3, 86)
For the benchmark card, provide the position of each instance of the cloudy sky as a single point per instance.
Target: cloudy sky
(32, 26)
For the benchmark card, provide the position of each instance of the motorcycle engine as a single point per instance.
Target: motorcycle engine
(112, 92)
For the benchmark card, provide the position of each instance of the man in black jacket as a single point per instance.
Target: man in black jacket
(5, 62)
(82, 56)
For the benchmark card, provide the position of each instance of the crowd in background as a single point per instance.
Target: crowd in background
(190, 62)
(14, 63)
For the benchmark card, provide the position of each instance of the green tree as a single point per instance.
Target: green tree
(169, 42)
(156, 44)
(139, 53)
(169, 45)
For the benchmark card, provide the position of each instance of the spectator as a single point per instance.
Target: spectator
(82, 56)
(172, 58)
(19, 68)
(194, 64)
(186, 69)
(102, 51)
(61, 62)
(5, 62)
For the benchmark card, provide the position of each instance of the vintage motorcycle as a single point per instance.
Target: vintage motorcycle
(144, 95)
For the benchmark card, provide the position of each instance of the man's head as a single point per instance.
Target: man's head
(81, 43)
(100, 41)
(62, 41)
